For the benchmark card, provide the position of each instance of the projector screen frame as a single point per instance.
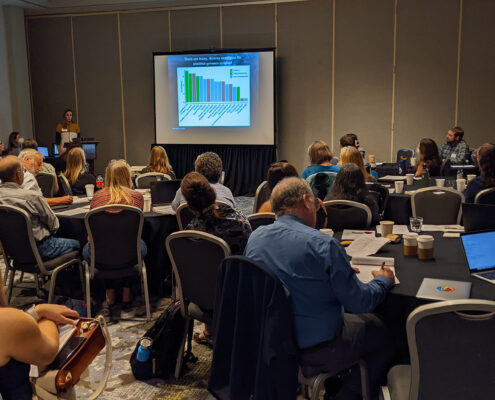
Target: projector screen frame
(219, 51)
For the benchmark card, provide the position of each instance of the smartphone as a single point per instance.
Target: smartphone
(67, 352)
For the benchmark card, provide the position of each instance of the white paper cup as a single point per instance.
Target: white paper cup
(410, 244)
(412, 160)
(147, 204)
(327, 231)
(387, 227)
(425, 247)
(461, 184)
(399, 186)
(440, 182)
(470, 177)
(409, 179)
(90, 190)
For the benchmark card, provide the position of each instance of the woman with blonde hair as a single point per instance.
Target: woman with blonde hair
(159, 162)
(117, 190)
(350, 154)
(320, 157)
(76, 172)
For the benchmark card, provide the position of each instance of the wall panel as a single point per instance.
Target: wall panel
(363, 73)
(477, 74)
(52, 75)
(98, 84)
(426, 70)
(141, 35)
(195, 29)
(303, 78)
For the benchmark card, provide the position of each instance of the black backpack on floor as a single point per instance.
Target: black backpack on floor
(166, 335)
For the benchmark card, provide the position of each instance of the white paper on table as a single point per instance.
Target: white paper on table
(77, 200)
(366, 276)
(392, 178)
(442, 228)
(369, 260)
(398, 229)
(353, 234)
(73, 211)
(366, 245)
(166, 210)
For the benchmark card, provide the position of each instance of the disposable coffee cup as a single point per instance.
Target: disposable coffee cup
(461, 185)
(425, 247)
(327, 231)
(371, 158)
(440, 182)
(410, 244)
(399, 186)
(90, 190)
(409, 179)
(387, 227)
(147, 204)
(470, 177)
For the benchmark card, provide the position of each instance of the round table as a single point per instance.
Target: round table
(156, 228)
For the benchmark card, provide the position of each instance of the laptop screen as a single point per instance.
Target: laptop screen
(480, 250)
(55, 150)
(43, 150)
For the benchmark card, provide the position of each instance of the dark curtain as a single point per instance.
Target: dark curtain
(245, 166)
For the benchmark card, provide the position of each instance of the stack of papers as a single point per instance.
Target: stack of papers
(442, 228)
(165, 210)
(366, 245)
(77, 200)
(392, 178)
(353, 234)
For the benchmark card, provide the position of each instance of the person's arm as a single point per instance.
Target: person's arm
(355, 296)
(178, 199)
(59, 201)
(46, 214)
(419, 171)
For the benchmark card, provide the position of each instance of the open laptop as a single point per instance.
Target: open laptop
(479, 248)
(43, 150)
(55, 150)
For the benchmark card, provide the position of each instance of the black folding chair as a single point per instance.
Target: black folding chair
(163, 192)
(259, 219)
(46, 182)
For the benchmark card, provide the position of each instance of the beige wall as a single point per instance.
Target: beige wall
(392, 71)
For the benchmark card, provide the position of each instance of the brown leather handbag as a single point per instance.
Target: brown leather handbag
(87, 341)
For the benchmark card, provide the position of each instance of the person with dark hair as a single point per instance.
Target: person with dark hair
(209, 165)
(455, 149)
(429, 158)
(486, 161)
(350, 185)
(349, 139)
(14, 144)
(222, 221)
(277, 171)
(320, 157)
(67, 130)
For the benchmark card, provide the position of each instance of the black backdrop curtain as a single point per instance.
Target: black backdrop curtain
(245, 166)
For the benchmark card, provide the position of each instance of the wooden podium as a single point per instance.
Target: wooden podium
(89, 148)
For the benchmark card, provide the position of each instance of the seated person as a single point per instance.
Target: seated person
(117, 190)
(429, 158)
(76, 172)
(455, 148)
(209, 165)
(350, 154)
(277, 171)
(320, 157)
(224, 222)
(350, 185)
(159, 162)
(43, 221)
(46, 168)
(14, 144)
(486, 161)
(324, 288)
(351, 139)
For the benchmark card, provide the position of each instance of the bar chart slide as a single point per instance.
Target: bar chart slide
(213, 96)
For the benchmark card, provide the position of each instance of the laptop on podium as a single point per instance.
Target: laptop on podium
(479, 248)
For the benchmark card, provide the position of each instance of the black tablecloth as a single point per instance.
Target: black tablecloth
(156, 228)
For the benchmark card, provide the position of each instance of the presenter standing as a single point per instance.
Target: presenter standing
(67, 130)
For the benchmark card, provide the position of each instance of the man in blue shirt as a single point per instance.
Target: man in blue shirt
(315, 269)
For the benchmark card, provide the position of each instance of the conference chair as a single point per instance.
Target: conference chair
(184, 214)
(405, 154)
(115, 240)
(381, 195)
(263, 193)
(143, 181)
(478, 217)
(46, 182)
(64, 184)
(446, 168)
(163, 192)
(321, 183)
(256, 220)
(21, 253)
(347, 214)
(196, 258)
(452, 353)
(486, 196)
(437, 205)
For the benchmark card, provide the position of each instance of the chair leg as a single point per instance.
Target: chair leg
(11, 284)
(365, 387)
(88, 290)
(318, 386)
(22, 277)
(144, 279)
(180, 356)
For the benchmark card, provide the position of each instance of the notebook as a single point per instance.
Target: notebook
(479, 250)
(443, 289)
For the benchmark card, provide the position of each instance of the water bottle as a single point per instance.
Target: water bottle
(373, 171)
(144, 349)
(460, 173)
(99, 182)
(425, 177)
